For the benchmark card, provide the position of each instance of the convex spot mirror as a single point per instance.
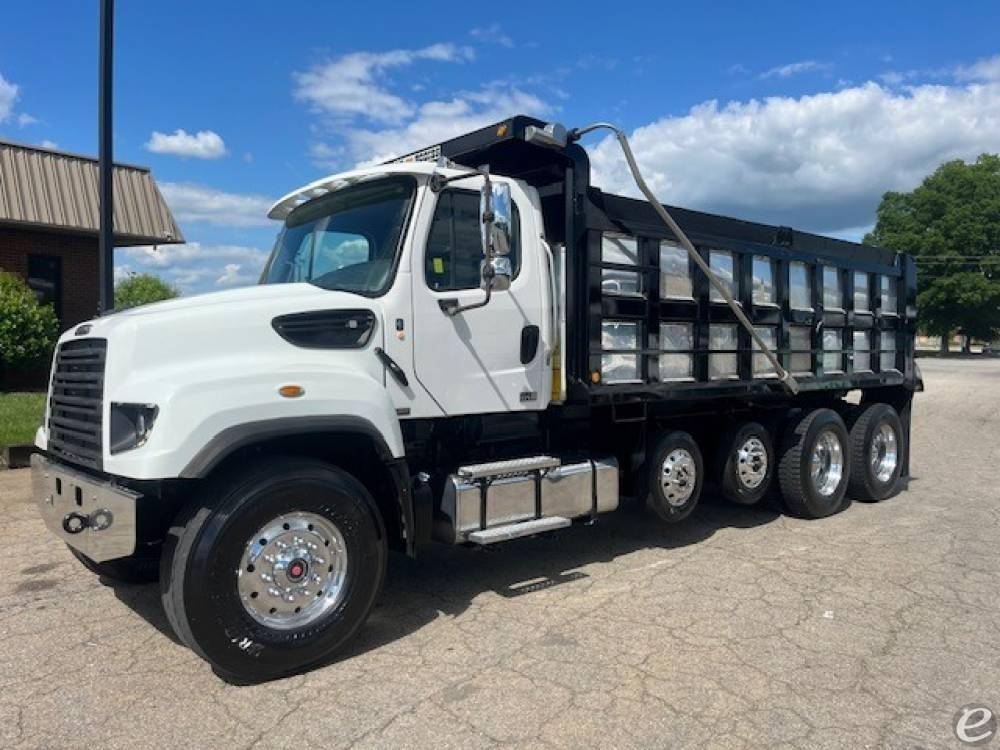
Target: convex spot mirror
(496, 219)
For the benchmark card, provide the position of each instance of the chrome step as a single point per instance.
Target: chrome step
(516, 530)
(509, 468)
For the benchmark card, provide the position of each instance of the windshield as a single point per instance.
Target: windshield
(348, 240)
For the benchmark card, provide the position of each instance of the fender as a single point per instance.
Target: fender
(239, 436)
(232, 439)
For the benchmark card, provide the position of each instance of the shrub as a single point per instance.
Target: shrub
(141, 289)
(28, 331)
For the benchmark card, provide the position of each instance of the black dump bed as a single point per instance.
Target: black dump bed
(839, 314)
(641, 320)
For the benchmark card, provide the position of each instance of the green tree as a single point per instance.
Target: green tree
(966, 301)
(28, 331)
(141, 289)
(951, 222)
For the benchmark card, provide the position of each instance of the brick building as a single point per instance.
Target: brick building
(49, 223)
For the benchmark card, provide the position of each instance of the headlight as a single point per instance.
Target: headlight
(131, 425)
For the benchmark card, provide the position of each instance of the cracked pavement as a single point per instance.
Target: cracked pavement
(743, 628)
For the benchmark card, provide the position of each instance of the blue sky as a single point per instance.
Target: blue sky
(797, 113)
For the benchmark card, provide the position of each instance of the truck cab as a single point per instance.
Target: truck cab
(466, 345)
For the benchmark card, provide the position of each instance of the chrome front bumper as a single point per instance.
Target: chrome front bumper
(95, 517)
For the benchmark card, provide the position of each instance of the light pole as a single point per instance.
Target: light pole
(106, 236)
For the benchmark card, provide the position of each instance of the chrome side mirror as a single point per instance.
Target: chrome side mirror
(496, 218)
(497, 273)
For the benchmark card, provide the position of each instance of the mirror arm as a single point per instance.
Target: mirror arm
(452, 311)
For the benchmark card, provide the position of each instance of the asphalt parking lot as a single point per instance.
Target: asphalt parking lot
(742, 629)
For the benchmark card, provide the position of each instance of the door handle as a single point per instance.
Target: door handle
(529, 343)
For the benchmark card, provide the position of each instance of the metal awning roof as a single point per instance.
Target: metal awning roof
(55, 190)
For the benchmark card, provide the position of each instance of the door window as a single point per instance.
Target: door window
(455, 246)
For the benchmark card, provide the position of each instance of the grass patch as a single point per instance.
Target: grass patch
(20, 415)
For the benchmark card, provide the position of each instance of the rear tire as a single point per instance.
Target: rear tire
(225, 583)
(673, 477)
(877, 449)
(746, 458)
(135, 569)
(814, 464)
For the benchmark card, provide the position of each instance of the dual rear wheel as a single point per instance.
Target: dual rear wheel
(819, 461)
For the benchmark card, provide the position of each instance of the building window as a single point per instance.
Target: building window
(800, 339)
(676, 342)
(887, 360)
(723, 344)
(621, 364)
(800, 288)
(862, 296)
(833, 344)
(763, 281)
(45, 280)
(762, 367)
(889, 300)
(722, 265)
(454, 254)
(675, 274)
(833, 289)
(862, 351)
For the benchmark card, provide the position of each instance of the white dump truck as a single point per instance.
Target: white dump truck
(464, 346)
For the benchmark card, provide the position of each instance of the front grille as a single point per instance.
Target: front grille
(75, 402)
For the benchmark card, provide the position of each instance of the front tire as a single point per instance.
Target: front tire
(814, 466)
(232, 596)
(876, 453)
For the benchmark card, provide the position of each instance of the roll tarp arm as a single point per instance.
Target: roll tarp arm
(787, 380)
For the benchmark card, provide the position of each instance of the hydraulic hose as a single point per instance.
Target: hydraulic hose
(790, 383)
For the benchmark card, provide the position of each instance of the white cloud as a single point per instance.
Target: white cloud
(234, 275)
(198, 203)
(205, 144)
(24, 120)
(819, 162)
(49, 144)
(492, 34)
(433, 122)
(791, 69)
(987, 69)
(8, 95)
(194, 267)
(354, 85)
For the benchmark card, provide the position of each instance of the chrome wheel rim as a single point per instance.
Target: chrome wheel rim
(293, 571)
(884, 452)
(678, 476)
(827, 463)
(751, 463)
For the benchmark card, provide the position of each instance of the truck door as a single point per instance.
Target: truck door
(493, 358)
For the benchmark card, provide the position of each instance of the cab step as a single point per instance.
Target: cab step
(517, 530)
(511, 468)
